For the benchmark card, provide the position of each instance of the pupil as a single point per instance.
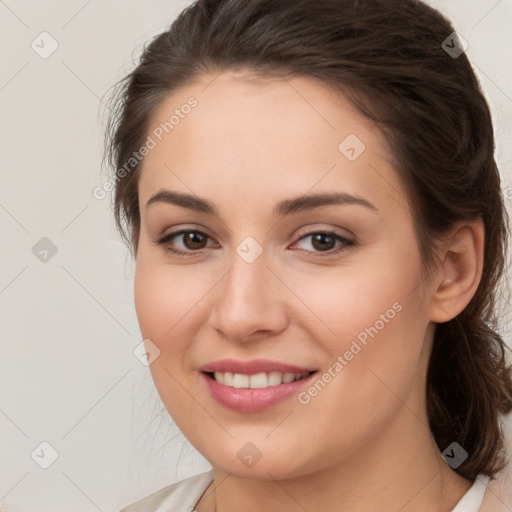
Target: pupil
(194, 238)
(321, 236)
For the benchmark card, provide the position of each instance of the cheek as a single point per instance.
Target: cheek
(169, 303)
(361, 303)
(150, 301)
(161, 310)
(161, 298)
(375, 358)
(377, 323)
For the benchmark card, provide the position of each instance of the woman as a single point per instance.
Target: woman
(310, 193)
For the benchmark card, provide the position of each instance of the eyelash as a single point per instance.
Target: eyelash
(347, 244)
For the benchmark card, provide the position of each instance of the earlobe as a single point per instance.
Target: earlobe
(460, 271)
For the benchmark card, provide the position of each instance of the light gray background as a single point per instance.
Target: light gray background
(68, 328)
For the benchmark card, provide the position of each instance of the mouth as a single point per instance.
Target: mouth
(257, 380)
(254, 386)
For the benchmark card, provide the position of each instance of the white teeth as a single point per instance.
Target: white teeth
(228, 379)
(257, 380)
(289, 377)
(240, 380)
(274, 378)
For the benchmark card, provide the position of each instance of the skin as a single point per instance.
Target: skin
(363, 442)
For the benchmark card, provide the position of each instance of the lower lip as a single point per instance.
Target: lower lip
(253, 400)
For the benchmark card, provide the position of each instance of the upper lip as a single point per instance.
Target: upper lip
(252, 367)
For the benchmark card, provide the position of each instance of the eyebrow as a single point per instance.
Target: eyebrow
(288, 206)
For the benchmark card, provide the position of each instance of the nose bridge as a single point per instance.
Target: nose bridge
(248, 278)
(248, 300)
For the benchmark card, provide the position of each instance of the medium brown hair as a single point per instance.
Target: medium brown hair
(387, 57)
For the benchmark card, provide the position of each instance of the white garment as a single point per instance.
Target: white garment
(184, 495)
(472, 500)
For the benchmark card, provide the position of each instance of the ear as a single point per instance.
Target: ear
(460, 270)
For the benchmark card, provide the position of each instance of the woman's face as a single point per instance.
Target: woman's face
(275, 280)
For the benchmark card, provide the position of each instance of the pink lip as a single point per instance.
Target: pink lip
(248, 399)
(252, 367)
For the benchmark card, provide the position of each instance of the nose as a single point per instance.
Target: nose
(249, 302)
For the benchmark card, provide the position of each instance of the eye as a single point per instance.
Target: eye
(322, 241)
(194, 242)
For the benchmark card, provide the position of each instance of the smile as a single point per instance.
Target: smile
(253, 386)
(258, 380)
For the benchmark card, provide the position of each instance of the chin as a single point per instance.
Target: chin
(267, 464)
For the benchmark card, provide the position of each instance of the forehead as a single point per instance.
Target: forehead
(265, 136)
